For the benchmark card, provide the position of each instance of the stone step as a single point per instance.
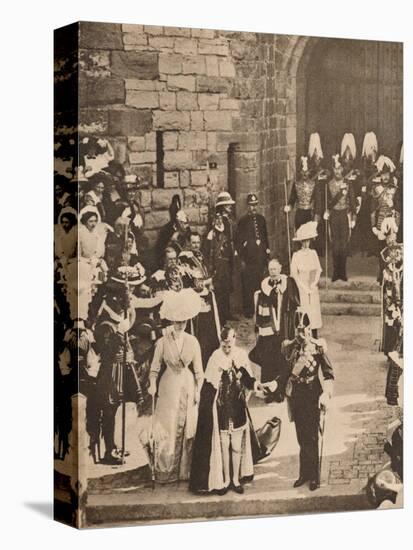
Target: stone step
(356, 309)
(347, 296)
(356, 284)
(102, 510)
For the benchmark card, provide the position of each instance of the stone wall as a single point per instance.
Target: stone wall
(204, 90)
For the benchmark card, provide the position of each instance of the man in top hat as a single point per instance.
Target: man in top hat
(253, 249)
(206, 325)
(302, 196)
(306, 357)
(341, 213)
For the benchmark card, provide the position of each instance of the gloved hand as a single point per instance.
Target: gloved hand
(375, 231)
(287, 208)
(152, 388)
(324, 401)
(326, 215)
(352, 224)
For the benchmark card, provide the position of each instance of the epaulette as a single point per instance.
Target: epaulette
(320, 343)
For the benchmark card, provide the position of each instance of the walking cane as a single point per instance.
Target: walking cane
(152, 442)
(321, 429)
(288, 221)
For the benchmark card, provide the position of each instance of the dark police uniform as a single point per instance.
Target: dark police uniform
(253, 249)
(303, 391)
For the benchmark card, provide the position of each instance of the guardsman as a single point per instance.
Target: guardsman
(253, 249)
(306, 357)
(302, 196)
(341, 212)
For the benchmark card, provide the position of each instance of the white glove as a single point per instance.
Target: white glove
(375, 231)
(287, 208)
(152, 388)
(326, 215)
(324, 401)
(352, 224)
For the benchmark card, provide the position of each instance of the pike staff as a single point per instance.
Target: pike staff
(288, 221)
(326, 231)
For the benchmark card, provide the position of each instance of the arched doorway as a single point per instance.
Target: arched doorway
(350, 86)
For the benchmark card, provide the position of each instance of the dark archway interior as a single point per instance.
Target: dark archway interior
(350, 86)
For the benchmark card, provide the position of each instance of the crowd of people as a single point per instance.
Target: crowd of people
(151, 325)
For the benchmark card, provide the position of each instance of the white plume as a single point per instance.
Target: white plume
(370, 145)
(385, 161)
(348, 141)
(314, 146)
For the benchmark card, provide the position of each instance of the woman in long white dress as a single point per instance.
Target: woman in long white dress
(176, 377)
(306, 271)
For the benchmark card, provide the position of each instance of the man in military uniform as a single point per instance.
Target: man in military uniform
(253, 249)
(306, 356)
(341, 212)
(302, 196)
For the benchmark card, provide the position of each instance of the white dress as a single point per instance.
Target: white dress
(306, 271)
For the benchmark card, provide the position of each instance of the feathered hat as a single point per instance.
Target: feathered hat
(370, 146)
(314, 146)
(385, 164)
(132, 275)
(180, 306)
(348, 146)
(306, 231)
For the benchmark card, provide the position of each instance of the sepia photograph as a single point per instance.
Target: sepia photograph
(228, 274)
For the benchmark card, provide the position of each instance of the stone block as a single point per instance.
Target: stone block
(194, 65)
(193, 215)
(100, 91)
(202, 33)
(134, 39)
(186, 101)
(197, 120)
(213, 47)
(153, 30)
(181, 82)
(218, 120)
(177, 160)
(120, 149)
(156, 219)
(142, 65)
(161, 42)
(142, 157)
(228, 104)
(171, 120)
(129, 122)
(150, 141)
(184, 178)
(186, 46)
(199, 178)
(130, 27)
(192, 141)
(198, 197)
(227, 69)
(161, 198)
(94, 62)
(170, 63)
(167, 101)
(136, 144)
(211, 141)
(171, 180)
(177, 31)
(170, 141)
(93, 121)
(142, 100)
(213, 84)
(212, 67)
(208, 102)
(107, 36)
(144, 85)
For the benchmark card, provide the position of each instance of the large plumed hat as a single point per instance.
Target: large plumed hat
(348, 146)
(180, 306)
(130, 274)
(370, 146)
(306, 231)
(385, 164)
(314, 146)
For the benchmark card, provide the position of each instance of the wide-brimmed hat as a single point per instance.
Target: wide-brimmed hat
(306, 231)
(180, 306)
(132, 275)
(223, 199)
